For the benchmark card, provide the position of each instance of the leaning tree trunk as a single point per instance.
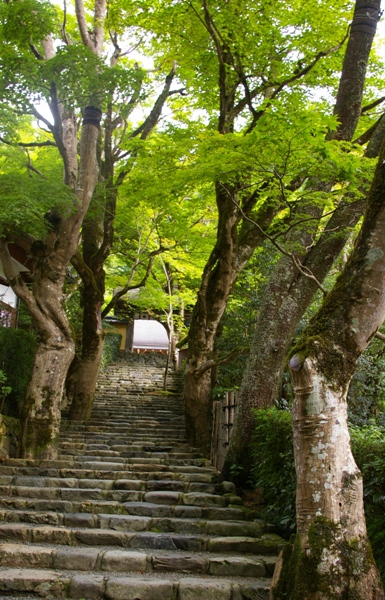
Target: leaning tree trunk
(288, 295)
(236, 241)
(331, 557)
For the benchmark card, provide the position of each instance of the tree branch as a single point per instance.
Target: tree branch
(146, 128)
(82, 24)
(29, 145)
(373, 104)
(239, 351)
(107, 309)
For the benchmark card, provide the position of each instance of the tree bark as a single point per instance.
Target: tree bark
(285, 300)
(289, 292)
(40, 412)
(98, 235)
(236, 242)
(331, 557)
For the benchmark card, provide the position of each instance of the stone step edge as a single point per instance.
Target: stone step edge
(133, 540)
(112, 475)
(96, 587)
(78, 496)
(124, 561)
(133, 524)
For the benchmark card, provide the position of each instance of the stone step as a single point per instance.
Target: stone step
(28, 533)
(10, 496)
(131, 523)
(124, 459)
(9, 485)
(127, 464)
(97, 559)
(105, 473)
(129, 511)
(54, 512)
(56, 584)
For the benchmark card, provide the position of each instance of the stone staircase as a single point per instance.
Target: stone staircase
(128, 511)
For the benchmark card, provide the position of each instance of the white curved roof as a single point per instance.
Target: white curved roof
(150, 335)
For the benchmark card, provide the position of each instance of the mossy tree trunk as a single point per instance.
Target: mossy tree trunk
(285, 300)
(40, 413)
(331, 557)
(98, 236)
(289, 291)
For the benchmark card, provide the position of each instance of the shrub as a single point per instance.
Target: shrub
(273, 467)
(274, 472)
(111, 348)
(368, 444)
(17, 353)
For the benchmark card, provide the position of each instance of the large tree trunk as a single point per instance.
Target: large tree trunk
(289, 292)
(331, 556)
(286, 298)
(332, 545)
(236, 241)
(98, 235)
(40, 412)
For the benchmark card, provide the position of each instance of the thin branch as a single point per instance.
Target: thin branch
(373, 104)
(40, 117)
(82, 23)
(367, 135)
(29, 145)
(379, 336)
(36, 52)
(239, 351)
(303, 270)
(294, 77)
(142, 283)
(64, 24)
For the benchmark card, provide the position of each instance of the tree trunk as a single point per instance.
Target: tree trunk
(86, 373)
(331, 556)
(285, 300)
(98, 235)
(40, 412)
(87, 366)
(236, 241)
(289, 292)
(198, 410)
(332, 544)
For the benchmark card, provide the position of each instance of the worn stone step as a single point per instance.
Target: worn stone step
(266, 544)
(83, 499)
(98, 559)
(118, 521)
(105, 474)
(92, 465)
(124, 587)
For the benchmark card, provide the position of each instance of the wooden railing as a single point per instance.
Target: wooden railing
(223, 420)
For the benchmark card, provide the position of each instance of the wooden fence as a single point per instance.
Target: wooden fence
(223, 420)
